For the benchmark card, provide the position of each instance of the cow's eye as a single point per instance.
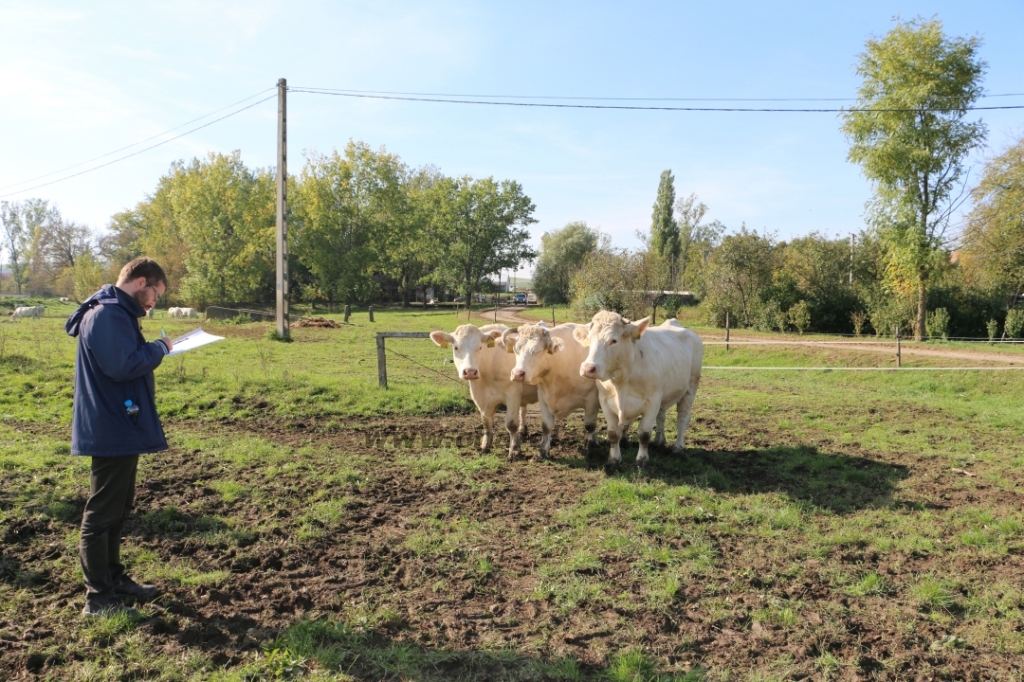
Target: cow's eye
(457, 349)
(613, 342)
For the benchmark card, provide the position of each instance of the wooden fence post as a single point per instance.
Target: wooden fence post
(899, 361)
(348, 311)
(727, 330)
(382, 363)
(371, 313)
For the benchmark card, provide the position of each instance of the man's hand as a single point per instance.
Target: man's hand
(167, 342)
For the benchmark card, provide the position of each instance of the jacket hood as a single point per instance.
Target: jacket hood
(108, 295)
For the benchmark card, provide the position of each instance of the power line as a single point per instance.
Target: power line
(128, 156)
(134, 144)
(606, 99)
(552, 105)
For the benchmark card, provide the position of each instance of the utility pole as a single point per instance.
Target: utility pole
(282, 209)
(852, 238)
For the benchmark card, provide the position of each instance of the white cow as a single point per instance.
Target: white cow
(642, 371)
(27, 311)
(64, 299)
(173, 313)
(181, 312)
(486, 368)
(549, 358)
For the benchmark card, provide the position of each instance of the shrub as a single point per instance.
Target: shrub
(937, 323)
(1014, 323)
(992, 326)
(859, 318)
(800, 316)
(769, 317)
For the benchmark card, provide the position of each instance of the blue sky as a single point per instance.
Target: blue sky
(84, 79)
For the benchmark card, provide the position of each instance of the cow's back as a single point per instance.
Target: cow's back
(668, 361)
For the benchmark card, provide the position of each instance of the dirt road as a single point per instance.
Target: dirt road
(511, 315)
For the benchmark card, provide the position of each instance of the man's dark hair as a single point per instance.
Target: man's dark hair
(143, 267)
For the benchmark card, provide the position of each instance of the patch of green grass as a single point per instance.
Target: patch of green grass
(933, 594)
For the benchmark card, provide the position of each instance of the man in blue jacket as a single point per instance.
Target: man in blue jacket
(114, 421)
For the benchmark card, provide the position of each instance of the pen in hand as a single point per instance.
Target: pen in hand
(167, 341)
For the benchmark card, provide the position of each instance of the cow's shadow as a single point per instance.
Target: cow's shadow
(841, 483)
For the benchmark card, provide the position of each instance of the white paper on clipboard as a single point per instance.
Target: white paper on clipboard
(194, 339)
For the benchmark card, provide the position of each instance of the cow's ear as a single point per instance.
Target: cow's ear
(555, 346)
(442, 338)
(492, 336)
(582, 334)
(638, 327)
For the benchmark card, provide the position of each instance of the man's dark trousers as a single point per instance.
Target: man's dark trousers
(111, 497)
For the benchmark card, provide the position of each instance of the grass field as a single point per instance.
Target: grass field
(307, 524)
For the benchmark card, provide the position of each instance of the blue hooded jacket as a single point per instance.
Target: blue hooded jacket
(114, 364)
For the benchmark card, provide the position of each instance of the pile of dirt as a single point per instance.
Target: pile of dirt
(321, 322)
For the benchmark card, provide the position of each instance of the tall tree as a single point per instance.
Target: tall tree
(225, 212)
(23, 223)
(562, 253)
(347, 208)
(664, 230)
(697, 240)
(480, 227)
(909, 134)
(407, 252)
(994, 236)
(739, 270)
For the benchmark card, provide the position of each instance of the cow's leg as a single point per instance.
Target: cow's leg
(614, 437)
(644, 435)
(523, 433)
(684, 409)
(659, 437)
(514, 413)
(487, 415)
(590, 419)
(547, 426)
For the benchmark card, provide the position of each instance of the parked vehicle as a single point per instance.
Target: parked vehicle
(519, 299)
(531, 298)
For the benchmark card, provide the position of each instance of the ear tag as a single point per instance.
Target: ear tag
(490, 343)
(444, 344)
(586, 341)
(511, 349)
(551, 351)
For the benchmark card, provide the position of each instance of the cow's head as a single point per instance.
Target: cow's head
(467, 342)
(532, 344)
(612, 340)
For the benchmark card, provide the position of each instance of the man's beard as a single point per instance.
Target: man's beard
(141, 298)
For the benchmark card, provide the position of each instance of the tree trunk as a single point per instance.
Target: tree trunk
(919, 326)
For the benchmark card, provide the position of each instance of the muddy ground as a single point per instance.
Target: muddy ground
(276, 579)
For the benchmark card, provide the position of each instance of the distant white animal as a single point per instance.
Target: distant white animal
(486, 367)
(64, 299)
(642, 371)
(182, 312)
(27, 311)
